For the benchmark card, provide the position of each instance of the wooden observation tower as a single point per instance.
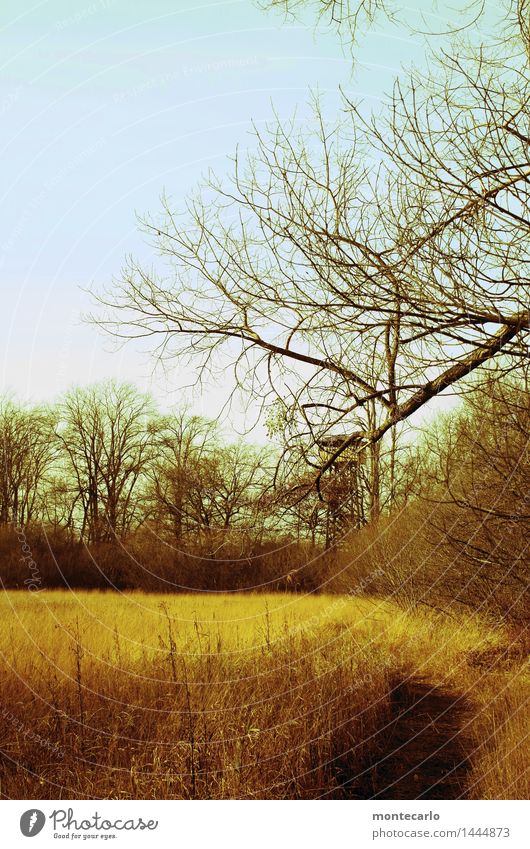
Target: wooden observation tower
(342, 485)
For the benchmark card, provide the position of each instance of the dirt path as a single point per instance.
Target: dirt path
(426, 752)
(423, 752)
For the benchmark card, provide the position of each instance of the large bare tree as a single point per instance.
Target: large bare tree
(429, 17)
(353, 273)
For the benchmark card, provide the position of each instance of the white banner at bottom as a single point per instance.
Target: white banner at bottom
(262, 825)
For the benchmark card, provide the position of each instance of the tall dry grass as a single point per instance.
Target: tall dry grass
(237, 696)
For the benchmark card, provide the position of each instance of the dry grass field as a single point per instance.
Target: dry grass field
(256, 696)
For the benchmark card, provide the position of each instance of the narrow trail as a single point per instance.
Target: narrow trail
(423, 753)
(426, 751)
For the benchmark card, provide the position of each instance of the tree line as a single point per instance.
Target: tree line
(105, 486)
(104, 462)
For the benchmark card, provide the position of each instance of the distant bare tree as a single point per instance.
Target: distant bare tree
(199, 486)
(229, 486)
(479, 478)
(105, 434)
(182, 443)
(60, 502)
(27, 451)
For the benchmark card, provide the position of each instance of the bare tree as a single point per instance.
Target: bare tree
(225, 496)
(354, 273)
(229, 487)
(351, 17)
(478, 477)
(182, 443)
(347, 16)
(105, 434)
(60, 502)
(200, 487)
(27, 451)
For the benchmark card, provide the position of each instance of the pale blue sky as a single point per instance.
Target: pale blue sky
(104, 104)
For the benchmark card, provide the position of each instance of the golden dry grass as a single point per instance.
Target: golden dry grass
(239, 696)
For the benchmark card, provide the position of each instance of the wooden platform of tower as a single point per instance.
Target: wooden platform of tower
(342, 485)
